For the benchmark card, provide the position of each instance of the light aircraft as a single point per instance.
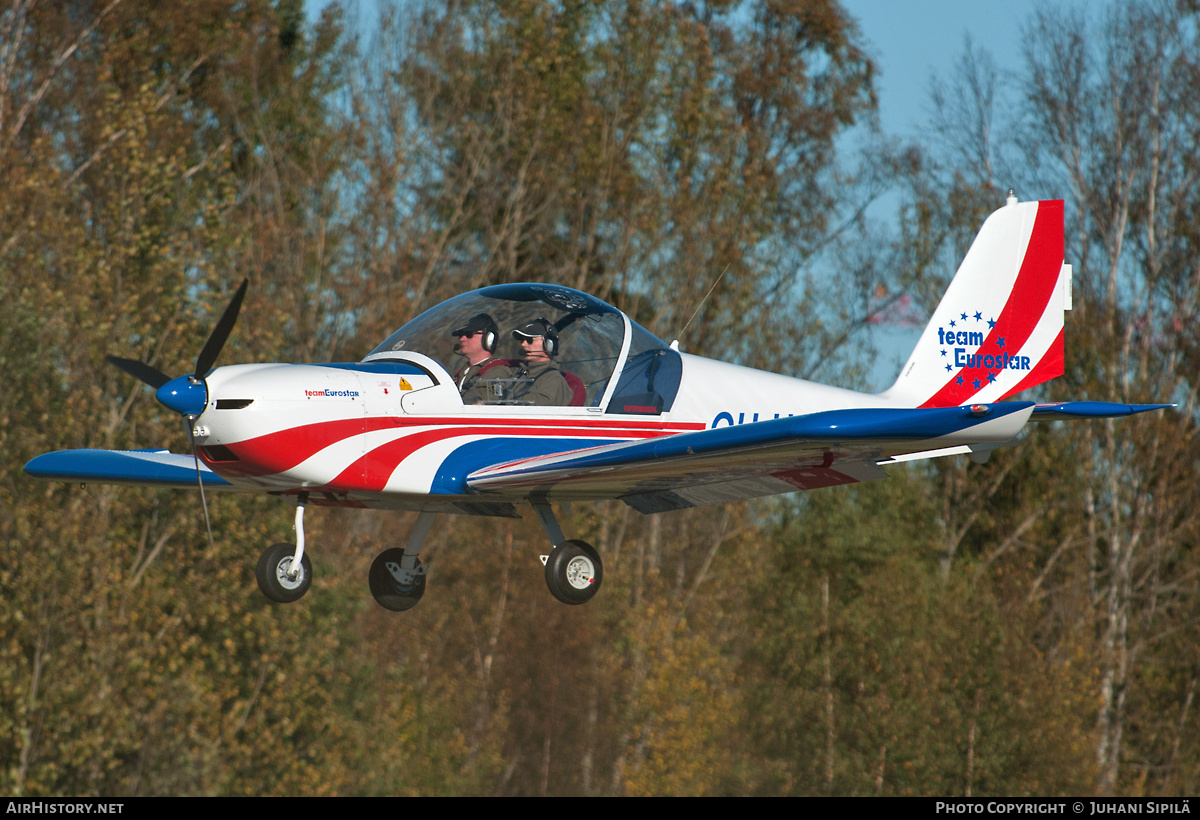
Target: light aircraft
(648, 424)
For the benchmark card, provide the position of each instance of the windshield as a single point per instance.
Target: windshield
(590, 332)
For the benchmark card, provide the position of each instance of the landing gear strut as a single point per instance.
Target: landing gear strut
(573, 568)
(397, 576)
(284, 572)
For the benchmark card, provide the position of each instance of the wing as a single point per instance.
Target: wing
(154, 468)
(776, 456)
(757, 459)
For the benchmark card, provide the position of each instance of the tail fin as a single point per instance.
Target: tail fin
(999, 328)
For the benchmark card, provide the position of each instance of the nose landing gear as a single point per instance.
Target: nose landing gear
(284, 572)
(276, 578)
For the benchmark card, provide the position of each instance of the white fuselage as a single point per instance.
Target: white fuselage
(365, 432)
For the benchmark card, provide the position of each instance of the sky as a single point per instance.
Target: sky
(911, 40)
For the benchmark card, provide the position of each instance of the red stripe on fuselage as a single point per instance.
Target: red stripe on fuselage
(1025, 306)
(373, 471)
(284, 450)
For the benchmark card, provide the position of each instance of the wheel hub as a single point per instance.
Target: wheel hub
(580, 572)
(283, 572)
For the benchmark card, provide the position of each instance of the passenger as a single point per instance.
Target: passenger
(539, 342)
(477, 341)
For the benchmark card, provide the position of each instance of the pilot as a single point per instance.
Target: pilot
(539, 342)
(477, 341)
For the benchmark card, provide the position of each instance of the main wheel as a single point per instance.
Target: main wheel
(274, 574)
(386, 588)
(574, 572)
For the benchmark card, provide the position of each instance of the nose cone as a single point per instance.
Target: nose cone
(183, 396)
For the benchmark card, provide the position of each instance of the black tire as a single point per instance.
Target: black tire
(272, 570)
(386, 590)
(574, 572)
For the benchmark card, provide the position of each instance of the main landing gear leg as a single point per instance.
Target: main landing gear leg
(397, 576)
(573, 568)
(284, 572)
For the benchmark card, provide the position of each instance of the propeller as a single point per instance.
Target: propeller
(188, 395)
(216, 339)
(140, 371)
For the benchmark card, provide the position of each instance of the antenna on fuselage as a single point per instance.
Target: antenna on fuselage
(675, 344)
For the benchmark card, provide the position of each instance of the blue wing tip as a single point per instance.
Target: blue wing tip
(149, 467)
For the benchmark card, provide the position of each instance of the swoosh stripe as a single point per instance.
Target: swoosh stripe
(283, 450)
(373, 470)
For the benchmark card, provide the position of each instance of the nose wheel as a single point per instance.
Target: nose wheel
(574, 572)
(284, 571)
(279, 578)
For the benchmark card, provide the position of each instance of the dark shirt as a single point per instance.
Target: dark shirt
(549, 387)
(473, 382)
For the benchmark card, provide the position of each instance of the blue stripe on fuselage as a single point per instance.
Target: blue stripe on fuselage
(451, 477)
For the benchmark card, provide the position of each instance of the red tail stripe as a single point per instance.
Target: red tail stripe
(1050, 367)
(1030, 294)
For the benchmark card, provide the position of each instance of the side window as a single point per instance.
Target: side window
(648, 383)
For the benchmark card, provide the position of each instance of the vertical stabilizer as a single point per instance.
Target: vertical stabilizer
(999, 328)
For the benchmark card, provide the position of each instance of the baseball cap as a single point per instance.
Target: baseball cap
(538, 327)
(475, 324)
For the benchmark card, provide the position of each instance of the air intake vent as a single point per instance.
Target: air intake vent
(217, 453)
(233, 404)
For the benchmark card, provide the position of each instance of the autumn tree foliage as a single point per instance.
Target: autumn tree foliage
(131, 141)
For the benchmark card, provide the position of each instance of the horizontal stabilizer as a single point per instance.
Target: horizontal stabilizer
(1064, 410)
(155, 468)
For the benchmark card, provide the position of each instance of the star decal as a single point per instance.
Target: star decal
(964, 317)
(978, 316)
(952, 323)
(991, 377)
(960, 380)
(991, 324)
(975, 384)
(948, 368)
(1000, 342)
(943, 352)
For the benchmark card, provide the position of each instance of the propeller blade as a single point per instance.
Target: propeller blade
(220, 333)
(140, 371)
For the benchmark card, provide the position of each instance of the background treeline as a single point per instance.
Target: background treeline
(1028, 626)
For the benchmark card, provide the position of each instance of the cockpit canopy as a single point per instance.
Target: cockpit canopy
(595, 342)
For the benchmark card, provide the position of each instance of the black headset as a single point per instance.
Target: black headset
(490, 331)
(549, 335)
